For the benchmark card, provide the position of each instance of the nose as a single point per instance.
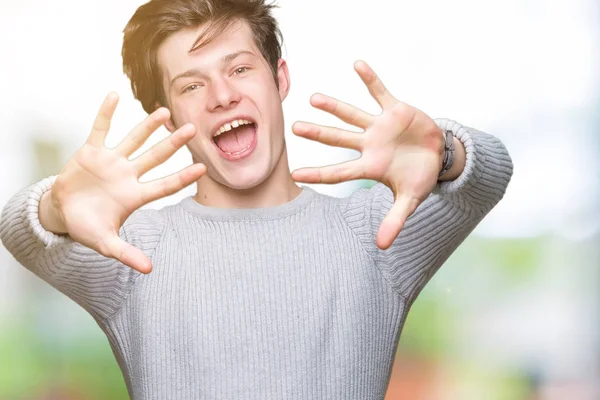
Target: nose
(223, 95)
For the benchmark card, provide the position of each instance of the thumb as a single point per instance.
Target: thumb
(129, 255)
(394, 221)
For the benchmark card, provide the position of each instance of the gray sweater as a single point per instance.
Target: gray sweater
(288, 302)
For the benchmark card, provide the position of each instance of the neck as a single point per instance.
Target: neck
(279, 188)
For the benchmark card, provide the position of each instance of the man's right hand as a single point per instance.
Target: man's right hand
(98, 188)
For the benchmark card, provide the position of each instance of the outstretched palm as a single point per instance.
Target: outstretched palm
(402, 148)
(98, 188)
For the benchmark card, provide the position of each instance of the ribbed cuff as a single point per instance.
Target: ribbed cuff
(49, 239)
(474, 163)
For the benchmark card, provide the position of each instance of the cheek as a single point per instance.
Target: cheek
(185, 111)
(178, 113)
(268, 102)
(200, 149)
(264, 90)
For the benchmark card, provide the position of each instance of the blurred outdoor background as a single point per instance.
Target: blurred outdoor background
(514, 314)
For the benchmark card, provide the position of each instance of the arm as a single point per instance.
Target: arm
(441, 222)
(402, 148)
(98, 283)
(89, 237)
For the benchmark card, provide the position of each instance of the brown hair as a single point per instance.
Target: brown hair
(154, 21)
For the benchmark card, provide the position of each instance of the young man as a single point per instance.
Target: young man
(259, 288)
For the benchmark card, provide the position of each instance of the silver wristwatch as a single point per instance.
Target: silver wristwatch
(448, 152)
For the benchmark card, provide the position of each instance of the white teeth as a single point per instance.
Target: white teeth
(233, 124)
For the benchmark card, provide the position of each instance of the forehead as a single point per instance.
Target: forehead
(174, 55)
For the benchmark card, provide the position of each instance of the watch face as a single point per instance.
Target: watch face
(449, 141)
(449, 152)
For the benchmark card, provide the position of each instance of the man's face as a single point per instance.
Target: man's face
(226, 86)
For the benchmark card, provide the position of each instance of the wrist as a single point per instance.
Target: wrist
(49, 216)
(447, 153)
(459, 161)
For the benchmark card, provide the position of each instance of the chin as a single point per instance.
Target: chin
(247, 177)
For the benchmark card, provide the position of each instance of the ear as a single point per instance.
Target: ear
(169, 124)
(283, 78)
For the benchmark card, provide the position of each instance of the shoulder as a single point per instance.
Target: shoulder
(144, 227)
(146, 218)
(363, 199)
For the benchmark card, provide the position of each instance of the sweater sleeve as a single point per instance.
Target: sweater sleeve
(441, 222)
(97, 283)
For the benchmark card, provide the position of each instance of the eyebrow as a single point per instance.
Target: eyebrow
(224, 60)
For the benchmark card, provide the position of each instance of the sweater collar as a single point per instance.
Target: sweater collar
(298, 203)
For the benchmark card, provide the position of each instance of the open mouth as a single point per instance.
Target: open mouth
(236, 137)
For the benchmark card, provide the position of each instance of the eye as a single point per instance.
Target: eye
(240, 70)
(191, 88)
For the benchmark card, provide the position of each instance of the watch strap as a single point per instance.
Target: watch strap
(448, 152)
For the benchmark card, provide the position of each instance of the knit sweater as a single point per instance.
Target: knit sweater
(294, 301)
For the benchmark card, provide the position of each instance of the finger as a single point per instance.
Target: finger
(138, 136)
(102, 121)
(328, 135)
(377, 89)
(162, 151)
(171, 184)
(337, 173)
(394, 221)
(117, 248)
(346, 112)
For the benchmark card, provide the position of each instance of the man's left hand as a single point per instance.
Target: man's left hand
(402, 147)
